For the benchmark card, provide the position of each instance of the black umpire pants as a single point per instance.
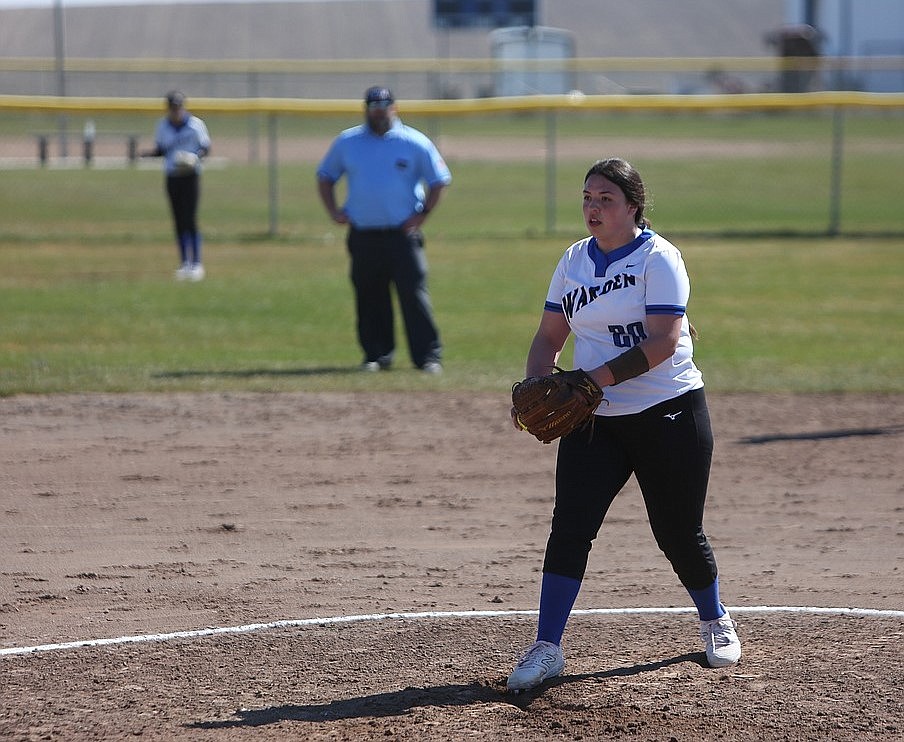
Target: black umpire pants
(668, 447)
(381, 259)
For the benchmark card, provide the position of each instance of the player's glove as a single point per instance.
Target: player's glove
(185, 163)
(554, 405)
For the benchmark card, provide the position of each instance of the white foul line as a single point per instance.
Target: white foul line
(252, 627)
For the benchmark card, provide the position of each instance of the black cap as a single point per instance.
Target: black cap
(377, 94)
(175, 99)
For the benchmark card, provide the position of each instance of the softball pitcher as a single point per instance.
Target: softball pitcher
(623, 293)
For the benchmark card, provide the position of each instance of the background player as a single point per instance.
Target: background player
(182, 140)
(387, 165)
(623, 292)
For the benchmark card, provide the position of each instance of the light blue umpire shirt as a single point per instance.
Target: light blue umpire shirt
(385, 174)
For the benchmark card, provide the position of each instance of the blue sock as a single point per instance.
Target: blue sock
(557, 596)
(184, 243)
(196, 247)
(707, 601)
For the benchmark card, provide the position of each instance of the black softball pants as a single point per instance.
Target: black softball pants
(184, 193)
(668, 447)
(380, 259)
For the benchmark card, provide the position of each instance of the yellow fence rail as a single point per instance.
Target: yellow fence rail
(470, 106)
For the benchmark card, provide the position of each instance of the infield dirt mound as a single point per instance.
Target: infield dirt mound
(134, 514)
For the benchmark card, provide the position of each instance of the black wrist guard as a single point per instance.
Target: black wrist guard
(629, 364)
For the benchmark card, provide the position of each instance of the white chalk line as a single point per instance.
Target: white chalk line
(298, 623)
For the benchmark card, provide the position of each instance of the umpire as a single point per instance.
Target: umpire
(395, 176)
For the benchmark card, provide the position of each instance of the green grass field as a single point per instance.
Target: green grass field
(88, 302)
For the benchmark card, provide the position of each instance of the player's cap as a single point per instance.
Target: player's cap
(175, 99)
(378, 97)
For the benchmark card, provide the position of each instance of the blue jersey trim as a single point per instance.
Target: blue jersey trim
(602, 260)
(675, 309)
(551, 306)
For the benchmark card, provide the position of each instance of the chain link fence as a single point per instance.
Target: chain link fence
(748, 160)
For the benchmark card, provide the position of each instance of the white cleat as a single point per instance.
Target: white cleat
(543, 660)
(723, 648)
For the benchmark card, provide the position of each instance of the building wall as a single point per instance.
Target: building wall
(382, 29)
(369, 29)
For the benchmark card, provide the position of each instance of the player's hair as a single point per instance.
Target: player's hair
(622, 173)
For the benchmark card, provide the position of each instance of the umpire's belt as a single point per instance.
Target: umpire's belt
(376, 230)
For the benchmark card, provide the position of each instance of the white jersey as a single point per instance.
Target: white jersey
(606, 299)
(189, 135)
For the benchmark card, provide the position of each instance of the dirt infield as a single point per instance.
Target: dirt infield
(126, 516)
